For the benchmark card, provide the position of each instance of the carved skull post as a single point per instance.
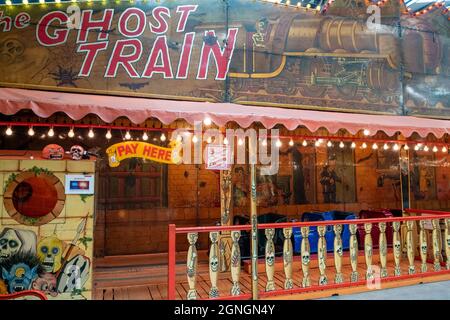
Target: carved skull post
(436, 244)
(410, 246)
(322, 249)
(287, 258)
(354, 253)
(214, 264)
(235, 263)
(423, 246)
(191, 268)
(382, 244)
(305, 252)
(270, 259)
(368, 250)
(397, 248)
(225, 241)
(338, 252)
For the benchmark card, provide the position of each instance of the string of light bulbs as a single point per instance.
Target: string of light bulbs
(303, 140)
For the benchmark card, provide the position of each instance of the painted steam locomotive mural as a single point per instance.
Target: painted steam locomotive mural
(349, 57)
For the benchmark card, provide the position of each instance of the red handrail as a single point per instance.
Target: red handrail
(426, 211)
(16, 295)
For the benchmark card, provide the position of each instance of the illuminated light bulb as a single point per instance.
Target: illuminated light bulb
(308, 5)
(435, 149)
(8, 2)
(209, 140)
(396, 147)
(179, 138)
(318, 8)
(353, 145)
(426, 148)
(444, 149)
(225, 141)
(417, 147)
(304, 143)
(51, 132)
(127, 135)
(278, 143)
(207, 121)
(406, 147)
(194, 139)
(320, 140)
(385, 147)
(329, 144)
(291, 142)
(41, 1)
(264, 143)
(341, 145)
(317, 143)
(163, 137)
(58, 1)
(25, 2)
(91, 133)
(374, 146)
(299, 4)
(9, 131)
(31, 132)
(366, 132)
(240, 142)
(145, 137)
(364, 145)
(71, 133)
(108, 135)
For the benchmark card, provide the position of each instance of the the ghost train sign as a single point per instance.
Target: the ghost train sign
(256, 54)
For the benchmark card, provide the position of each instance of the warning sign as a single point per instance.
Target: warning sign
(218, 157)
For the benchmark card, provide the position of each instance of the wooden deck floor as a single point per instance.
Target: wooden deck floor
(147, 281)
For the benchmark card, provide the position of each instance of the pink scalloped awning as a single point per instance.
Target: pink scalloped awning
(109, 108)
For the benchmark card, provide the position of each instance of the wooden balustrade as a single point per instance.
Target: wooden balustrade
(287, 258)
(270, 259)
(382, 245)
(354, 252)
(191, 268)
(235, 263)
(368, 250)
(322, 255)
(438, 245)
(306, 257)
(397, 248)
(214, 264)
(338, 252)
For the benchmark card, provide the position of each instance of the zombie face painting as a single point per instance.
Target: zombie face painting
(13, 241)
(76, 152)
(46, 283)
(49, 251)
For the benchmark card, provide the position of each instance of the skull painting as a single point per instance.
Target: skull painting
(424, 248)
(305, 258)
(13, 241)
(270, 258)
(19, 277)
(214, 264)
(49, 251)
(46, 283)
(76, 152)
(397, 247)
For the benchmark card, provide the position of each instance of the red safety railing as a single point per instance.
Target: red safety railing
(24, 294)
(405, 232)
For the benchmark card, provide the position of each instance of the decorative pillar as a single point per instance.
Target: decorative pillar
(423, 246)
(368, 250)
(322, 250)
(410, 246)
(354, 252)
(436, 244)
(382, 244)
(214, 264)
(397, 248)
(447, 242)
(254, 223)
(191, 267)
(226, 218)
(338, 252)
(287, 258)
(235, 263)
(270, 259)
(305, 252)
